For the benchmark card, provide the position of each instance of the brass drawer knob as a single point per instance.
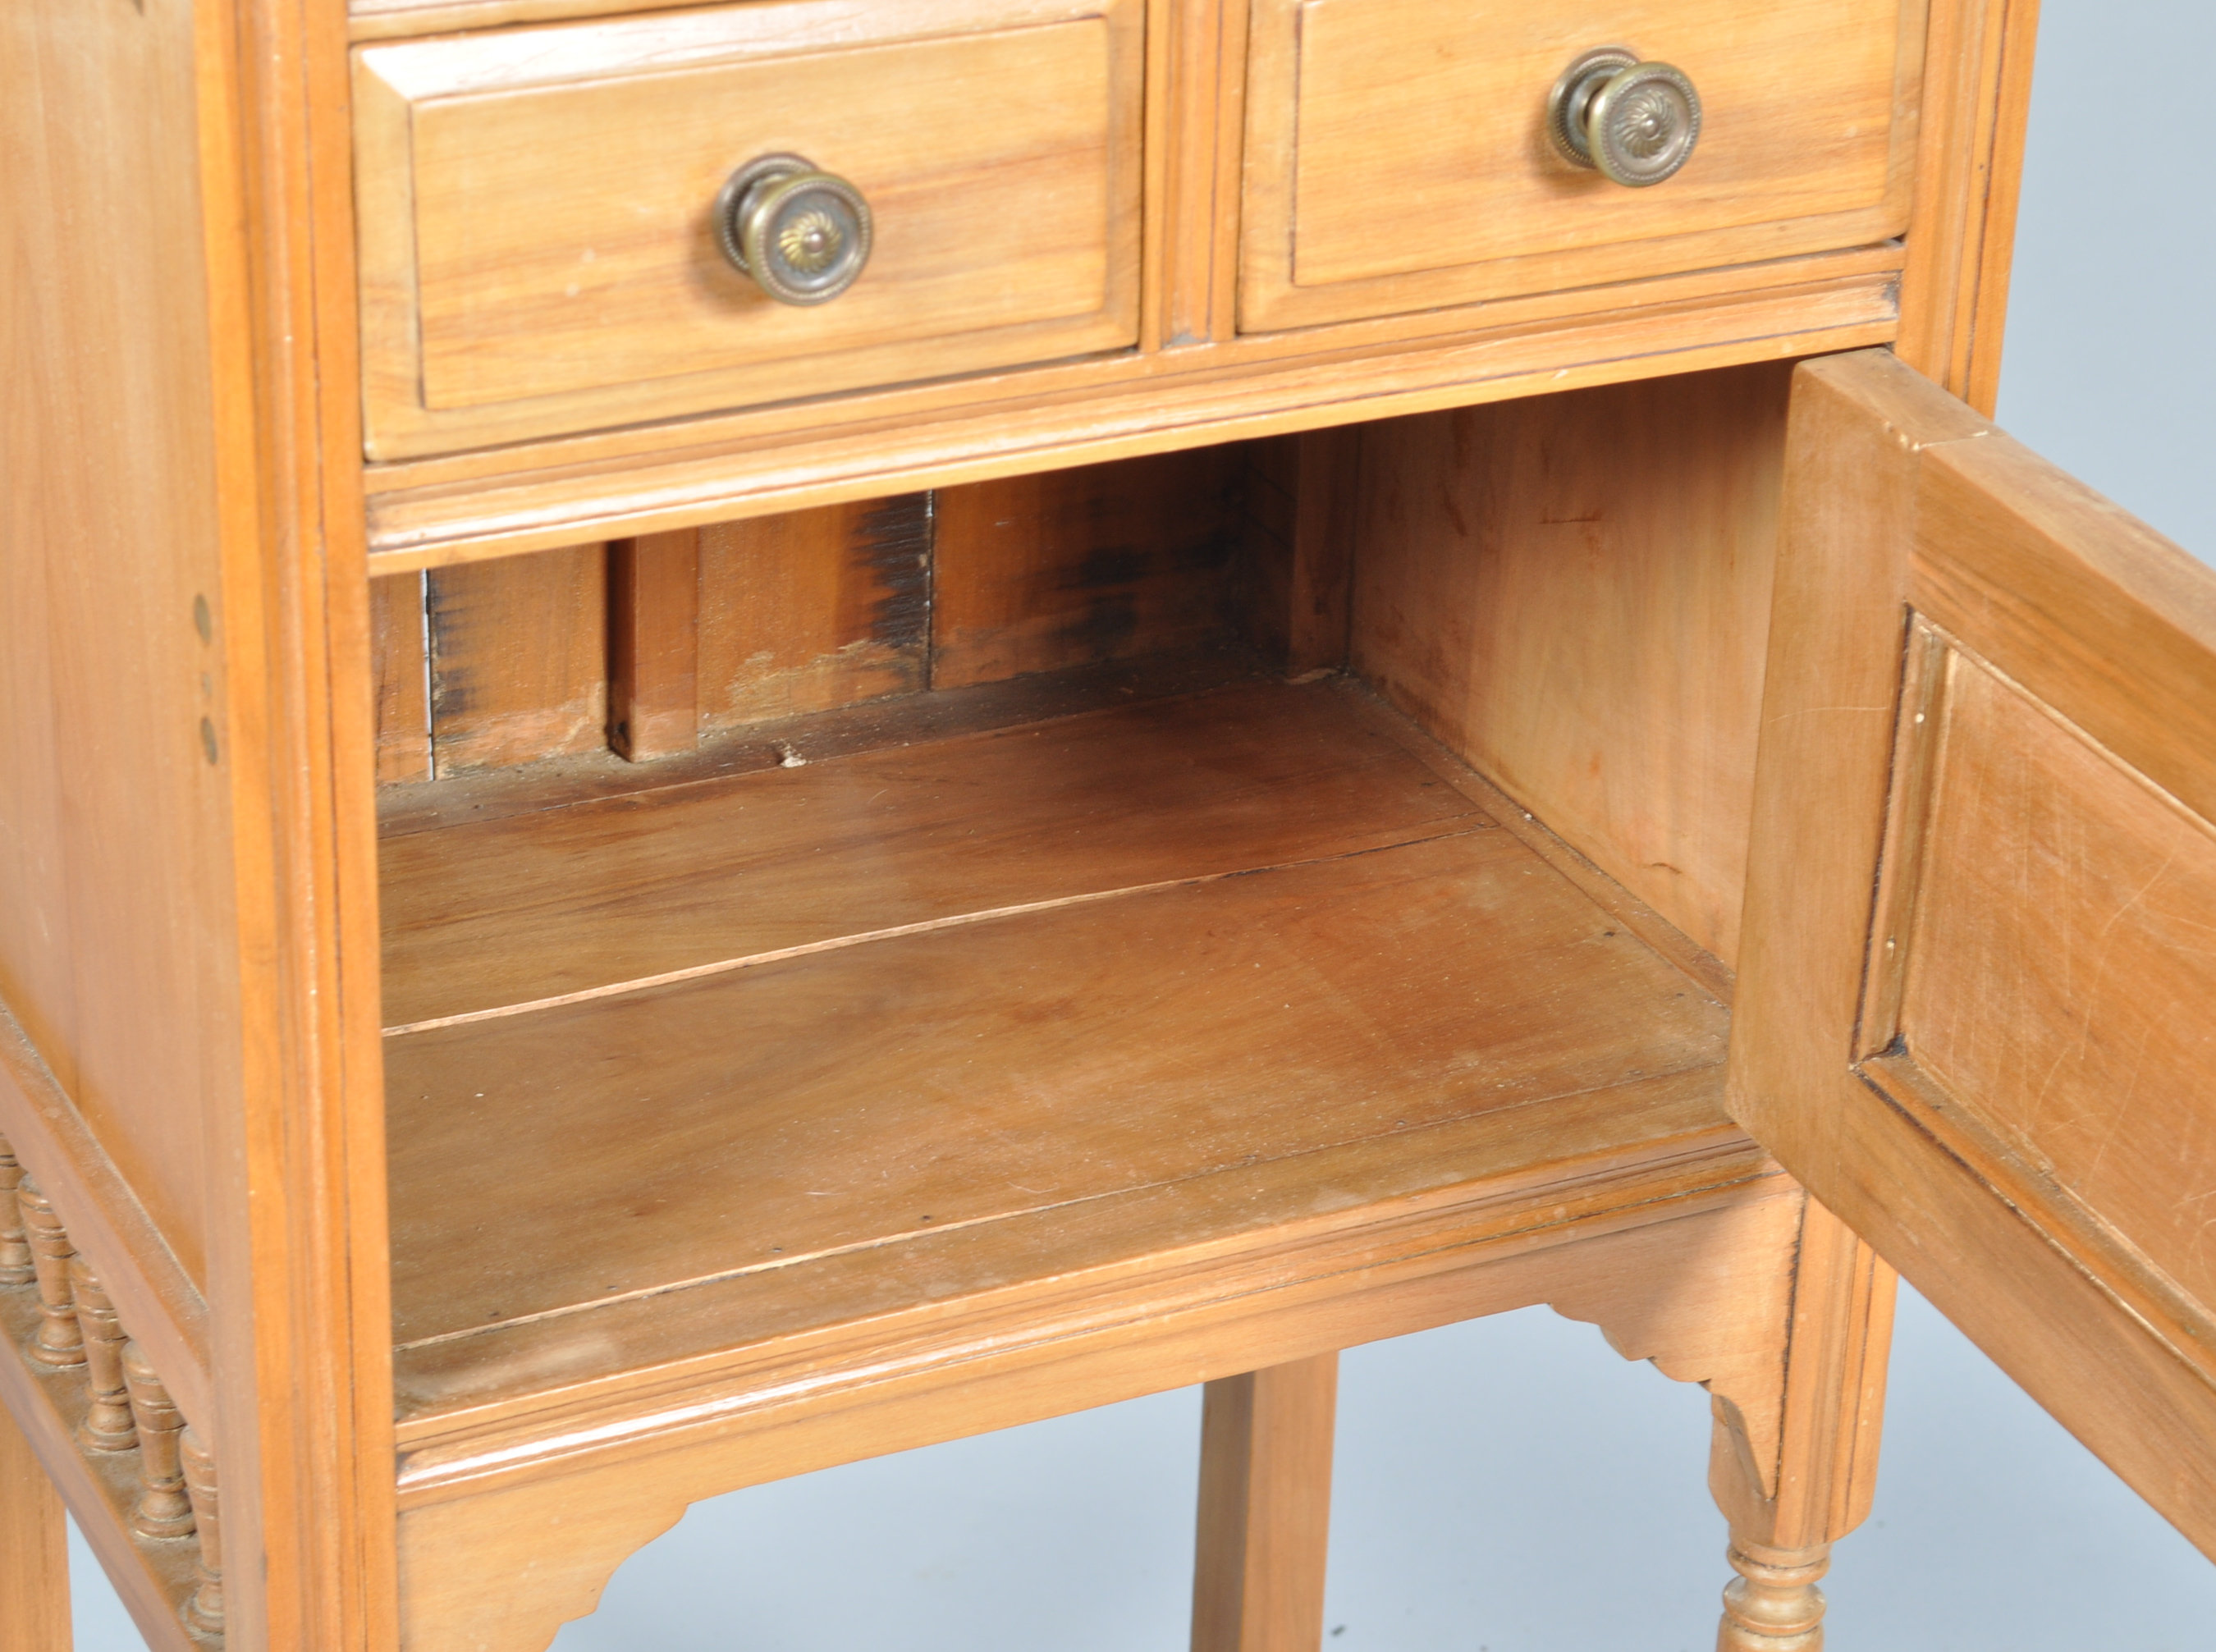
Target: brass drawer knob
(802, 235)
(1634, 122)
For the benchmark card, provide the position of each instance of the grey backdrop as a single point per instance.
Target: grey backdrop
(1510, 1486)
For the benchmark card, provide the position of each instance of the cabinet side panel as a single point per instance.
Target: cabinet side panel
(117, 914)
(1573, 592)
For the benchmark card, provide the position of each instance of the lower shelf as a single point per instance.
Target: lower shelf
(786, 1078)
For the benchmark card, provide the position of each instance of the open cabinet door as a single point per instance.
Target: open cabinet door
(1977, 1005)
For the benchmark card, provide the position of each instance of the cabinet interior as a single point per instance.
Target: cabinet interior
(1068, 868)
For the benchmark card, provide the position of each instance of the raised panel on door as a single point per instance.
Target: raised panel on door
(1977, 1009)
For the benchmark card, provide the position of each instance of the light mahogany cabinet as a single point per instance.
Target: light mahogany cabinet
(737, 736)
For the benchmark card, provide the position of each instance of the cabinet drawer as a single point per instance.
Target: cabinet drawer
(1398, 158)
(538, 238)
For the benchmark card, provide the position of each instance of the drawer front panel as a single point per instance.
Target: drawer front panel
(539, 250)
(1398, 156)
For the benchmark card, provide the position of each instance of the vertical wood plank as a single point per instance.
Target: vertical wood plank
(1835, 660)
(654, 644)
(403, 710)
(519, 659)
(2007, 98)
(1264, 1508)
(1296, 578)
(1262, 578)
(1202, 97)
(814, 609)
(1327, 480)
(34, 1603)
(1076, 567)
(1953, 293)
(1573, 592)
(1858, 423)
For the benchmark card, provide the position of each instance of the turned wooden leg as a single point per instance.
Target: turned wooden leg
(1787, 1508)
(58, 1342)
(1774, 1605)
(15, 1267)
(35, 1606)
(163, 1510)
(1264, 1508)
(107, 1426)
(203, 1608)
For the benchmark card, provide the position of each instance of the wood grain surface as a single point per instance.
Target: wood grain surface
(189, 892)
(2003, 1098)
(399, 640)
(1074, 567)
(500, 502)
(1835, 667)
(976, 1073)
(1398, 157)
(1196, 101)
(186, 693)
(478, 916)
(555, 1505)
(519, 659)
(1801, 1474)
(34, 1571)
(1264, 1520)
(2088, 606)
(815, 609)
(772, 618)
(2057, 970)
(1262, 570)
(117, 898)
(536, 254)
(1354, 954)
(1573, 592)
(870, 726)
(1969, 171)
(54, 1142)
(653, 660)
(513, 1398)
(1325, 531)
